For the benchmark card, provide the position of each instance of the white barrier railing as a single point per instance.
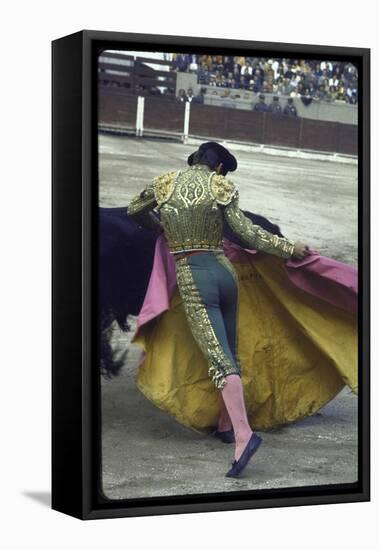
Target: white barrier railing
(139, 118)
(186, 121)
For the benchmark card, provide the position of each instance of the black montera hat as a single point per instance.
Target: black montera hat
(228, 160)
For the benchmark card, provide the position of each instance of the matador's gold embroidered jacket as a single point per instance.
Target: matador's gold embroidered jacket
(193, 205)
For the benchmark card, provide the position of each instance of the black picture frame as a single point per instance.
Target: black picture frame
(75, 380)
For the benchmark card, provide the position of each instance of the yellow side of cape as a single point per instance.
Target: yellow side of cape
(297, 352)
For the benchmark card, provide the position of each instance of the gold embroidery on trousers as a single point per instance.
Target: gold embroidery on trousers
(201, 327)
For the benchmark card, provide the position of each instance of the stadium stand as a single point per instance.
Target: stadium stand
(311, 80)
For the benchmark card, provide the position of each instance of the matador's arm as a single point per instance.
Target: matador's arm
(253, 235)
(141, 206)
(226, 194)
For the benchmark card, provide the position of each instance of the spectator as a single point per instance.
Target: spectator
(337, 72)
(203, 75)
(300, 88)
(327, 92)
(302, 83)
(200, 97)
(181, 62)
(193, 66)
(332, 93)
(328, 66)
(207, 60)
(305, 68)
(236, 74)
(351, 94)
(276, 68)
(229, 64)
(275, 107)
(318, 71)
(269, 71)
(287, 88)
(354, 97)
(312, 89)
(247, 69)
(241, 61)
(230, 80)
(288, 71)
(279, 86)
(189, 95)
(223, 82)
(349, 72)
(267, 87)
(293, 82)
(323, 78)
(220, 67)
(334, 81)
(261, 106)
(340, 93)
(255, 85)
(244, 81)
(280, 72)
(320, 93)
(306, 97)
(218, 78)
(195, 99)
(181, 97)
(259, 74)
(290, 109)
(217, 59)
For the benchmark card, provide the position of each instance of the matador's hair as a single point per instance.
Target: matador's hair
(212, 154)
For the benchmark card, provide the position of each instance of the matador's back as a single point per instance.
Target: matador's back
(193, 204)
(188, 202)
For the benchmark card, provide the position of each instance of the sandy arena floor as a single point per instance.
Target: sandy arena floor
(145, 451)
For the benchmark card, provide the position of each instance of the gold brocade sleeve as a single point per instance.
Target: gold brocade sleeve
(253, 235)
(143, 202)
(141, 206)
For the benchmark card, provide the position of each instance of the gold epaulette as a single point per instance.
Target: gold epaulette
(164, 186)
(223, 189)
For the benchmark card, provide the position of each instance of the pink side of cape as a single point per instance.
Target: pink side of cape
(161, 285)
(325, 278)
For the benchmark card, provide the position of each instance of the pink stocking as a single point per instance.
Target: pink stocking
(224, 422)
(232, 394)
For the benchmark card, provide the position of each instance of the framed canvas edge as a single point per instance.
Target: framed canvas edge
(67, 361)
(89, 507)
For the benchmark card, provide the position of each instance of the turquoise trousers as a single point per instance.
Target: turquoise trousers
(208, 287)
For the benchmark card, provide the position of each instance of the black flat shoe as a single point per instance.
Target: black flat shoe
(249, 450)
(226, 437)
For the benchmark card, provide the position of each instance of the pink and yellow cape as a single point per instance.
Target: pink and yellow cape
(297, 339)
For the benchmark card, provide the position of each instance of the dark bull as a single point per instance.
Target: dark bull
(126, 254)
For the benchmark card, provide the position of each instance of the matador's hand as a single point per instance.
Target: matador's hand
(301, 250)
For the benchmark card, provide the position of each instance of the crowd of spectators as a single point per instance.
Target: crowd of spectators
(260, 106)
(188, 95)
(309, 79)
